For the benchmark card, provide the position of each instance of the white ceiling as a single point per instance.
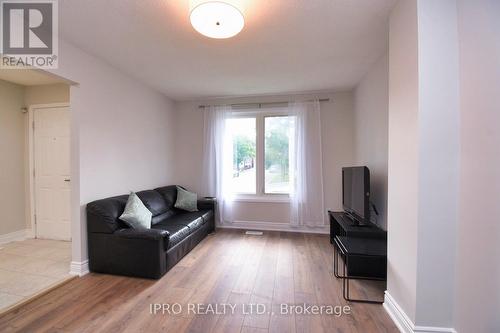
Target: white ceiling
(286, 46)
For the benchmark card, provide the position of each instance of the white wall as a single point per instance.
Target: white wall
(423, 160)
(402, 201)
(337, 141)
(438, 122)
(337, 138)
(371, 112)
(12, 152)
(122, 135)
(478, 258)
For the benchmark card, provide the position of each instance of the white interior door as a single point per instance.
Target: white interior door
(52, 173)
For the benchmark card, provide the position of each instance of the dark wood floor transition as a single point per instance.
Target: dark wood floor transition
(228, 269)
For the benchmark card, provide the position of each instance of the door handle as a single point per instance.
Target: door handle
(67, 180)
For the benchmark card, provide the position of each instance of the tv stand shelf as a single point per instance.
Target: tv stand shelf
(343, 226)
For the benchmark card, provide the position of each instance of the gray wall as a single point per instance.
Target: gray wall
(14, 142)
(45, 94)
(12, 163)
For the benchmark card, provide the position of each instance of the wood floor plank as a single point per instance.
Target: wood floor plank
(263, 289)
(326, 287)
(226, 268)
(247, 278)
(304, 288)
(233, 322)
(247, 329)
(46, 312)
(283, 287)
(224, 283)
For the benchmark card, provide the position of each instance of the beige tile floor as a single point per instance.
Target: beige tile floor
(30, 266)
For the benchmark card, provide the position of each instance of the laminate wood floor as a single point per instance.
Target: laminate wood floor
(226, 268)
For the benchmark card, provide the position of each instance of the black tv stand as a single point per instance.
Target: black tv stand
(355, 222)
(350, 217)
(342, 225)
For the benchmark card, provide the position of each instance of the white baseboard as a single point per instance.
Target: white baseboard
(79, 268)
(30, 233)
(273, 226)
(404, 323)
(16, 236)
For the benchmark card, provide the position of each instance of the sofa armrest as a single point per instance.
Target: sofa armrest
(207, 203)
(147, 234)
(129, 252)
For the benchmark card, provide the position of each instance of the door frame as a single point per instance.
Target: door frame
(31, 160)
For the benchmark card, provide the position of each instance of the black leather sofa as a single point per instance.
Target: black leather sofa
(114, 248)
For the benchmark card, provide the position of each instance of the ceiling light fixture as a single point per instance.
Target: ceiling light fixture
(217, 19)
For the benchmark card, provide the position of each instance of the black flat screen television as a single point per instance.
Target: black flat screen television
(356, 193)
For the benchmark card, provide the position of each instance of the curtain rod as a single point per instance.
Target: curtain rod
(260, 105)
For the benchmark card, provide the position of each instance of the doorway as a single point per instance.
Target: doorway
(51, 190)
(35, 135)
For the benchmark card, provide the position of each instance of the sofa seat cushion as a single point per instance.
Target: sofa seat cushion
(207, 215)
(177, 233)
(182, 225)
(188, 217)
(195, 219)
(162, 217)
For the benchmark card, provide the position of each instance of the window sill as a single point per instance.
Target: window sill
(264, 199)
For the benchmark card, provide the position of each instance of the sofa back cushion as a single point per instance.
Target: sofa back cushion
(162, 217)
(154, 202)
(103, 215)
(169, 194)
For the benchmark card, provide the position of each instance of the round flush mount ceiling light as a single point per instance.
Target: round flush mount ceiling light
(217, 19)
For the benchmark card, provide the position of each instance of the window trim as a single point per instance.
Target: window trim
(260, 194)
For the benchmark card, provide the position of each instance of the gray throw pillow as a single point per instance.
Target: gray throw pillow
(186, 200)
(136, 215)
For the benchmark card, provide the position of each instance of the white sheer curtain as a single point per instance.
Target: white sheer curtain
(306, 170)
(217, 160)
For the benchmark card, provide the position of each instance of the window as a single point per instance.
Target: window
(261, 152)
(242, 132)
(278, 132)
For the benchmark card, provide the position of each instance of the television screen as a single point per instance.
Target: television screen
(356, 192)
(347, 188)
